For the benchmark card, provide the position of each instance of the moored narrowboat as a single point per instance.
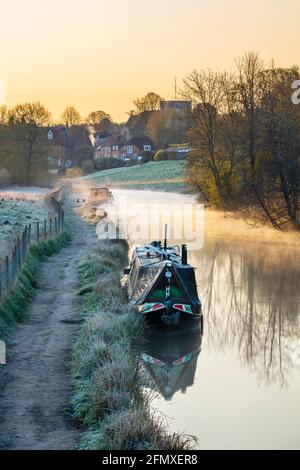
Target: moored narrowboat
(163, 285)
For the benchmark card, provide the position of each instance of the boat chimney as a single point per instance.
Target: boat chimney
(184, 254)
(166, 237)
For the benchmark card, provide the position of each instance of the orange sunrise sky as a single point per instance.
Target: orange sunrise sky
(97, 54)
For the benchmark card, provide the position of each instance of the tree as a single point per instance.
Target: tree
(205, 89)
(26, 152)
(71, 117)
(3, 115)
(149, 102)
(280, 127)
(250, 87)
(35, 114)
(96, 117)
(245, 132)
(167, 127)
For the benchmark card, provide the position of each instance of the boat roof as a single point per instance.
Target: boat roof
(157, 255)
(148, 270)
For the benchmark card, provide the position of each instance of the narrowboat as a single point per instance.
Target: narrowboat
(163, 286)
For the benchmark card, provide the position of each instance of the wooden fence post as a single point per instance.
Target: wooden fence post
(0, 282)
(25, 241)
(7, 272)
(18, 255)
(13, 263)
(15, 254)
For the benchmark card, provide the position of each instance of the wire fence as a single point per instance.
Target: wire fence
(32, 234)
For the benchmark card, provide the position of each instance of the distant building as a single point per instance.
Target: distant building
(131, 141)
(107, 146)
(122, 147)
(175, 105)
(135, 147)
(61, 141)
(138, 124)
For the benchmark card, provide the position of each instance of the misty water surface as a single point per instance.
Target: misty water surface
(239, 385)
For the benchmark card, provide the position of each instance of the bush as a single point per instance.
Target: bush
(5, 178)
(146, 157)
(108, 163)
(88, 167)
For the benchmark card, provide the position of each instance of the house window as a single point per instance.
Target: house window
(129, 149)
(147, 148)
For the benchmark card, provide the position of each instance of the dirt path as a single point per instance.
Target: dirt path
(35, 406)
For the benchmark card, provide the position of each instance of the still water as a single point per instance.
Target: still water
(238, 386)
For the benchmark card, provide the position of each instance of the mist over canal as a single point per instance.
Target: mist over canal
(238, 386)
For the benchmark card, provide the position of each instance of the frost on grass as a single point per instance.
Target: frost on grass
(110, 399)
(166, 175)
(14, 216)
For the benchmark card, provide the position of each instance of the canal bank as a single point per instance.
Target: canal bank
(111, 401)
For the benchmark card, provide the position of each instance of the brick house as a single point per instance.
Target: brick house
(122, 146)
(135, 147)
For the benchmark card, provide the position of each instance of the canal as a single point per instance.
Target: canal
(238, 386)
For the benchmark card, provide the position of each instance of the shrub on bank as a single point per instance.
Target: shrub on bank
(87, 167)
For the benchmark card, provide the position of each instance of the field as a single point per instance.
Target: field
(14, 216)
(164, 176)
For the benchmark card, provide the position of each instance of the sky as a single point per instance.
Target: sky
(96, 54)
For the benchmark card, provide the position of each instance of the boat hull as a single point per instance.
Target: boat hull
(174, 320)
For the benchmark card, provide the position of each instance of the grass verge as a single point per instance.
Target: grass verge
(110, 399)
(14, 308)
(159, 176)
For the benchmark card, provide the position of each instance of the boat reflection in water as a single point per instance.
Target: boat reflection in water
(171, 359)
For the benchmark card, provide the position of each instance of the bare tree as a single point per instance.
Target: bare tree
(71, 117)
(3, 115)
(281, 133)
(205, 89)
(250, 86)
(246, 135)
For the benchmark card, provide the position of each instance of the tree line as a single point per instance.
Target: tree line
(23, 148)
(245, 131)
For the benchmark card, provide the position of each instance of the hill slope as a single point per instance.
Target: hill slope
(167, 176)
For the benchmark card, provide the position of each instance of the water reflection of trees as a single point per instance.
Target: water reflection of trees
(251, 303)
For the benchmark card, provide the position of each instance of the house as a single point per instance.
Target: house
(107, 146)
(61, 143)
(122, 146)
(135, 147)
(138, 124)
